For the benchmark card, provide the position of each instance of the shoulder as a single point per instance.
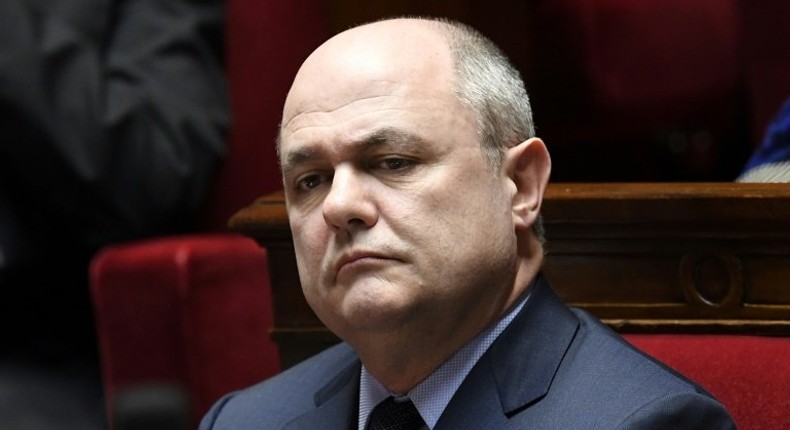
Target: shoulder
(679, 411)
(280, 399)
(611, 364)
(599, 348)
(620, 386)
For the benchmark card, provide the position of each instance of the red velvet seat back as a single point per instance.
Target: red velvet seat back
(192, 312)
(749, 374)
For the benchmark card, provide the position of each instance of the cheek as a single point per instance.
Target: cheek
(308, 231)
(308, 263)
(468, 221)
(309, 247)
(468, 209)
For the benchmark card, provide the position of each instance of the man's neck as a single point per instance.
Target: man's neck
(401, 364)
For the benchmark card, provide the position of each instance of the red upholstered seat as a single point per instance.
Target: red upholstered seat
(749, 374)
(194, 312)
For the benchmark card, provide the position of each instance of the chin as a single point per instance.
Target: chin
(366, 304)
(380, 314)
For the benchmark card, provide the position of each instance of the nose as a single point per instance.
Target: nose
(349, 205)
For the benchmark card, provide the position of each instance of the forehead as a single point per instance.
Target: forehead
(405, 123)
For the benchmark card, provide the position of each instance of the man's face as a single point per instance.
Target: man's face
(397, 219)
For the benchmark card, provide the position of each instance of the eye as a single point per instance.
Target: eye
(395, 163)
(310, 181)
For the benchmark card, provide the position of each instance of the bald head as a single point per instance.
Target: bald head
(366, 59)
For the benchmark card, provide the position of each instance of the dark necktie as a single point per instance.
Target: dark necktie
(392, 415)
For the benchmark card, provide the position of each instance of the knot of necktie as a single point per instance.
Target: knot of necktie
(395, 415)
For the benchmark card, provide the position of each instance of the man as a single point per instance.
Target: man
(413, 184)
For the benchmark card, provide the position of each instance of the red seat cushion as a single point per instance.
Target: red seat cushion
(749, 374)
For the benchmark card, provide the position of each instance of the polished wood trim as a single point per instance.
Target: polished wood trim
(644, 257)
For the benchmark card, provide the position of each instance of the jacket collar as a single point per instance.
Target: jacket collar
(336, 403)
(520, 365)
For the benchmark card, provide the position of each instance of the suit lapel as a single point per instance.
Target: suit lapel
(336, 403)
(518, 368)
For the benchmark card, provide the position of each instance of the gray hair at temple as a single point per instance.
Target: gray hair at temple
(488, 84)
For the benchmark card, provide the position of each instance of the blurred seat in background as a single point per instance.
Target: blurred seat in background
(639, 91)
(194, 311)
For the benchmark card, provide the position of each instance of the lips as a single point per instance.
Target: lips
(358, 258)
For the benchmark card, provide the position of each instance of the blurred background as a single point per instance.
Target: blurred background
(632, 90)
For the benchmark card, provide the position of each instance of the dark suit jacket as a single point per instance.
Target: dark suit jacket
(552, 368)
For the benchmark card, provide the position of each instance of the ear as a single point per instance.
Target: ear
(528, 165)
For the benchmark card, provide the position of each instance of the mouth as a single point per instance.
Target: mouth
(359, 260)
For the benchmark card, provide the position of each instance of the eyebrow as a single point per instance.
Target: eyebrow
(385, 137)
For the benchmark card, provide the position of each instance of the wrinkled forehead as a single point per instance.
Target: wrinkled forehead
(371, 61)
